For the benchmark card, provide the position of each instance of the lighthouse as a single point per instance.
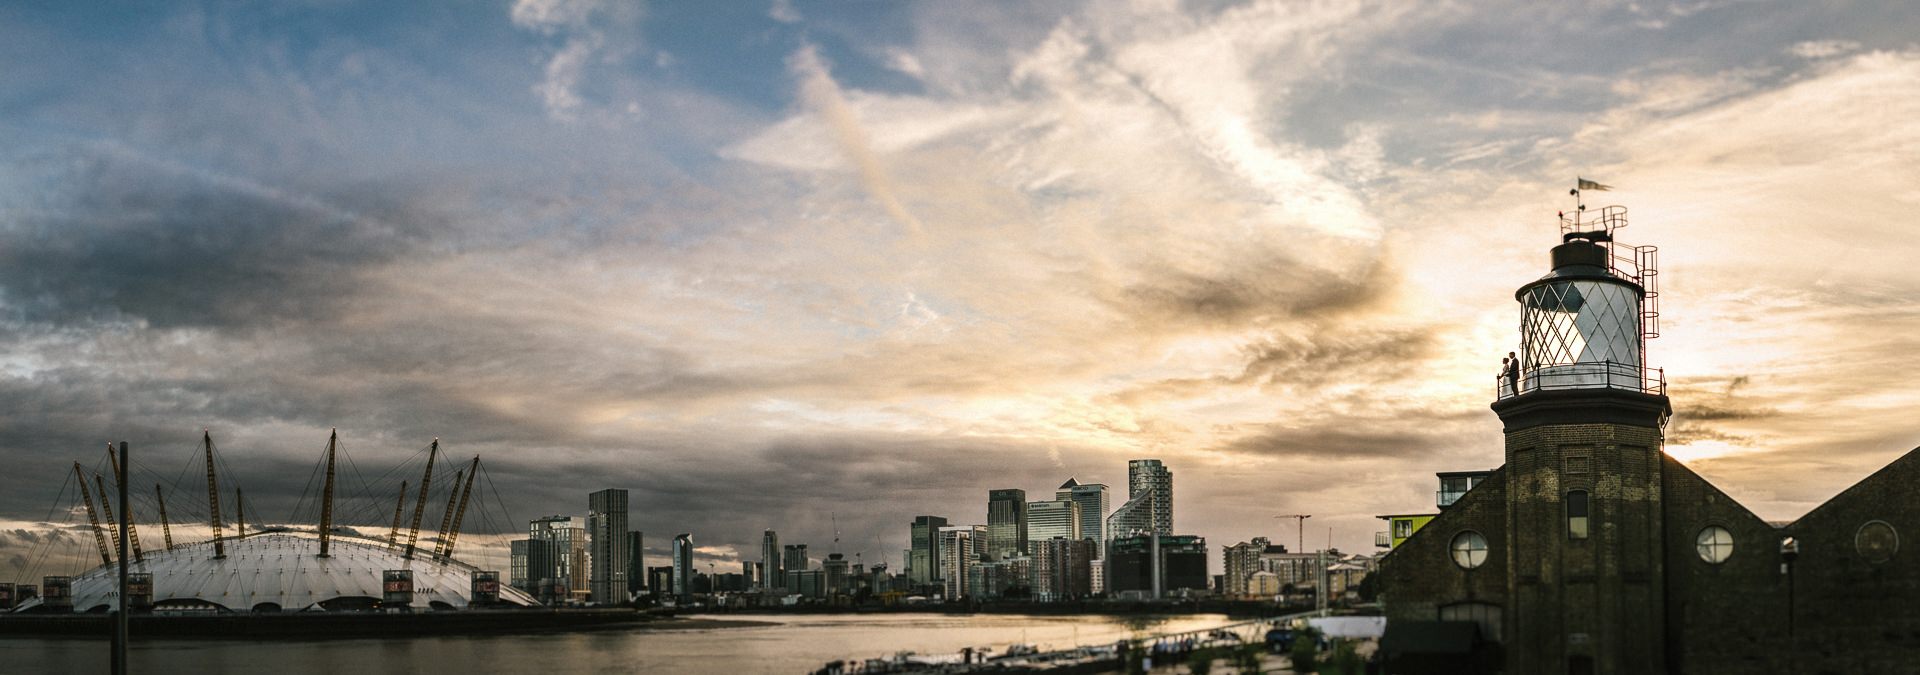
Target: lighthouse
(1583, 416)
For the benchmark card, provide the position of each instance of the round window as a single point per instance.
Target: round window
(1876, 541)
(1469, 549)
(1715, 544)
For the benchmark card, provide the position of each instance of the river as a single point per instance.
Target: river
(791, 644)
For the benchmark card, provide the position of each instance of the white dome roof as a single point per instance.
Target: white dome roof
(284, 568)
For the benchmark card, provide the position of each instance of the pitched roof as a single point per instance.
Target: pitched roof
(1069, 484)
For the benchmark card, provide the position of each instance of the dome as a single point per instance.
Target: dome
(283, 571)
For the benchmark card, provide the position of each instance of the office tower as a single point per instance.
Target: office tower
(636, 563)
(923, 559)
(683, 564)
(957, 557)
(770, 568)
(1181, 563)
(517, 565)
(1062, 569)
(564, 563)
(660, 580)
(1091, 498)
(1006, 523)
(1057, 519)
(607, 523)
(794, 558)
(837, 574)
(1135, 516)
(1150, 477)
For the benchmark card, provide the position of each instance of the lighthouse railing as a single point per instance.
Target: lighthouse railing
(1589, 375)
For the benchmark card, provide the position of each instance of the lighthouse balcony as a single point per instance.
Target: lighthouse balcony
(1590, 375)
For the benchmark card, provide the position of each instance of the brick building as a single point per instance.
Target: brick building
(1592, 551)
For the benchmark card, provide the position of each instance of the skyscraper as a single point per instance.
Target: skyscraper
(1057, 519)
(1006, 523)
(636, 562)
(923, 559)
(683, 565)
(562, 563)
(770, 568)
(607, 524)
(793, 560)
(1091, 498)
(1135, 516)
(1149, 476)
(957, 557)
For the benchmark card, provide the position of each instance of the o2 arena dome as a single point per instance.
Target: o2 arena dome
(276, 569)
(283, 571)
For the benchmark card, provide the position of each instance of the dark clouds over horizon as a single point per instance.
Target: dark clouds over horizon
(859, 264)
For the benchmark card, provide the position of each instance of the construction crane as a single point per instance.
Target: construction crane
(420, 507)
(1299, 524)
(461, 514)
(93, 517)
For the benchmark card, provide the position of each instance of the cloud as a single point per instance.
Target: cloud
(783, 11)
(1822, 49)
(591, 32)
(823, 95)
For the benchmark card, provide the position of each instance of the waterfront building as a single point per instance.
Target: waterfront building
(807, 583)
(683, 570)
(636, 563)
(1263, 584)
(1057, 519)
(772, 573)
(750, 570)
(1133, 517)
(1240, 562)
(957, 557)
(660, 581)
(564, 575)
(836, 574)
(924, 556)
(517, 565)
(1091, 498)
(1181, 565)
(795, 559)
(1006, 524)
(1063, 569)
(607, 528)
(1150, 477)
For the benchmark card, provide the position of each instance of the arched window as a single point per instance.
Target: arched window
(1576, 514)
(1469, 549)
(1876, 541)
(1715, 544)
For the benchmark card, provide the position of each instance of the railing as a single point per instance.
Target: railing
(1383, 539)
(1594, 375)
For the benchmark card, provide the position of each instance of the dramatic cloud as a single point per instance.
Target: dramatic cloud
(775, 271)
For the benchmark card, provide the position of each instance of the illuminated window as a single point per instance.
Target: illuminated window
(1876, 541)
(1715, 544)
(1576, 514)
(1469, 549)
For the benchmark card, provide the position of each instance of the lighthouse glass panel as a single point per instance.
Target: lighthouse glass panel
(1581, 333)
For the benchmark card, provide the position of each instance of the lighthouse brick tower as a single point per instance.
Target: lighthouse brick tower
(1592, 551)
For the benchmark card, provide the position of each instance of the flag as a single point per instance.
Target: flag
(1590, 185)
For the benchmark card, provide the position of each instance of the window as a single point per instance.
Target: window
(1576, 514)
(1402, 529)
(1485, 615)
(1876, 541)
(1715, 544)
(1469, 549)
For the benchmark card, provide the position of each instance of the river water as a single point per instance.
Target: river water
(793, 644)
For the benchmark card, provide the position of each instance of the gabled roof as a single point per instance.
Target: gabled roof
(1069, 484)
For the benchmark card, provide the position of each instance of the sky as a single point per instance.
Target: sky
(801, 265)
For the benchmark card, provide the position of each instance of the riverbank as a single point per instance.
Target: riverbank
(353, 625)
